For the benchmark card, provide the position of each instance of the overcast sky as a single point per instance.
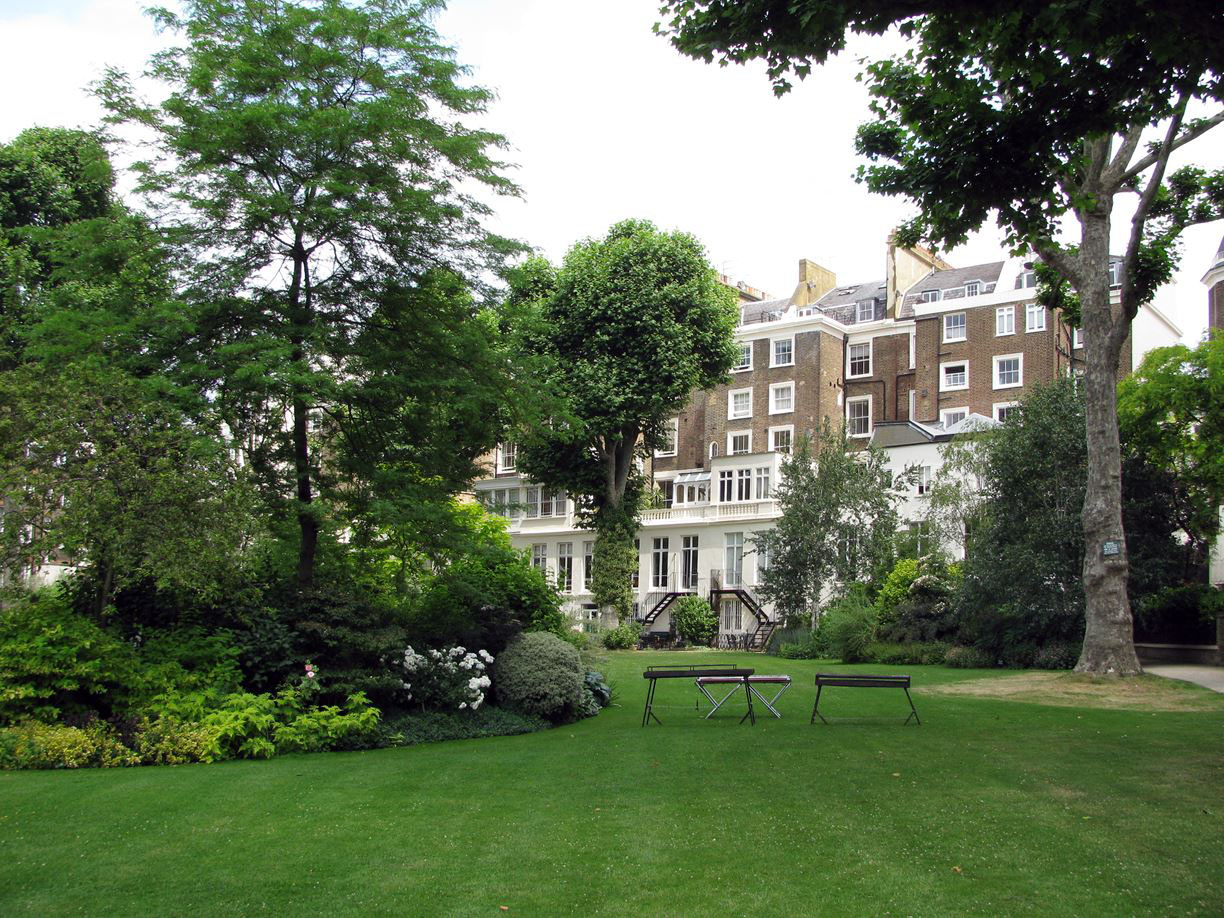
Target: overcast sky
(606, 121)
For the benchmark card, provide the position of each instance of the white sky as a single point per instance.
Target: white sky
(606, 121)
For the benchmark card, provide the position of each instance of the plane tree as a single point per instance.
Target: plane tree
(1042, 117)
(615, 340)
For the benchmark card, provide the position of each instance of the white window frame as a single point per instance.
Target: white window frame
(943, 415)
(745, 368)
(850, 359)
(674, 423)
(762, 480)
(858, 310)
(739, 433)
(1019, 358)
(731, 415)
(1026, 280)
(926, 478)
(857, 400)
(773, 351)
(997, 405)
(977, 285)
(1034, 318)
(1077, 338)
(1005, 316)
(565, 567)
(502, 466)
(777, 387)
(930, 296)
(964, 336)
(1115, 273)
(789, 429)
(943, 375)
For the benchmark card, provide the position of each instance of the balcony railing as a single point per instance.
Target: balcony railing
(732, 511)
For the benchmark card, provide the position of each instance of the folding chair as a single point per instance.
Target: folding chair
(781, 680)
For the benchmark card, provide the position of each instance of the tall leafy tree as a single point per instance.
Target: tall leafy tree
(838, 522)
(115, 479)
(1027, 112)
(314, 157)
(618, 338)
(1171, 417)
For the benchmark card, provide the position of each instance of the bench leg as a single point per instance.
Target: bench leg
(751, 715)
(649, 711)
(913, 710)
(816, 707)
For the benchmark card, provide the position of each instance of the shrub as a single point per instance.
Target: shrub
(850, 625)
(55, 661)
(895, 588)
(694, 619)
(449, 679)
(1057, 655)
(623, 636)
(928, 654)
(328, 727)
(803, 644)
(1183, 614)
(967, 658)
(598, 687)
(485, 601)
(434, 726)
(589, 705)
(167, 741)
(540, 674)
(36, 745)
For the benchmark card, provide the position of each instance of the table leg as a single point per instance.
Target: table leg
(751, 715)
(913, 710)
(816, 707)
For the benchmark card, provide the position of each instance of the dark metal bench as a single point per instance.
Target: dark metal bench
(694, 671)
(863, 680)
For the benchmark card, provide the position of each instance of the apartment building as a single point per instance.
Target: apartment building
(902, 361)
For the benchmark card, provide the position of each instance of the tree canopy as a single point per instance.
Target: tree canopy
(1025, 113)
(838, 521)
(618, 338)
(314, 159)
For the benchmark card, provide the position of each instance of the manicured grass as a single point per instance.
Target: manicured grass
(991, 807)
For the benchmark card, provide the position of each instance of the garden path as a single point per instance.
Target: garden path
(1211, 677)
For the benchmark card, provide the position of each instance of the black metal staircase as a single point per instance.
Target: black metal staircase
(732, 585)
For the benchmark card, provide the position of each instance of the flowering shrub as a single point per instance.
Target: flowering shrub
(35, 745)
(452, 679)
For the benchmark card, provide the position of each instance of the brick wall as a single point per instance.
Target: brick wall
(981, 345)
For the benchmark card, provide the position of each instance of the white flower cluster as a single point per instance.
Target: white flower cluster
(453, 676)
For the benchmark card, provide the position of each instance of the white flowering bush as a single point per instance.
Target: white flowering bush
(451, 679)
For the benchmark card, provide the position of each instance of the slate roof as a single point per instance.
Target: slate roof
(764, 311)
(841, 303)
(952, 282)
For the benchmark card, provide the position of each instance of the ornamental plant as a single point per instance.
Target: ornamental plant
(695, 620)
(451, 679)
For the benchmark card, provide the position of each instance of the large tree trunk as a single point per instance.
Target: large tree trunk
(308, 525)
(614, 557)
(1109, 647)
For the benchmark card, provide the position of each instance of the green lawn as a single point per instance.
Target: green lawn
(990, 807)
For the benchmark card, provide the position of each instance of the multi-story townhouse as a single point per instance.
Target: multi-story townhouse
(901, 361)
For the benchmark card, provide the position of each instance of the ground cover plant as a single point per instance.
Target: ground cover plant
(992, 806)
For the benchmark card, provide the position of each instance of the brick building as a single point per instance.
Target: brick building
(925, 346)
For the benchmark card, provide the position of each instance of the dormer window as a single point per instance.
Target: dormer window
(866, 310)
(1026, 279)
(973, 288)
(930, 296)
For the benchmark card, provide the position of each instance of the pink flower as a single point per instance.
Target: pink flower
(310, 675)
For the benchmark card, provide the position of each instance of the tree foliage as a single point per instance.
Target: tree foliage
(837, 526)
(313, 158)
(618, 338)
(1025, 113)
(1171, 417)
